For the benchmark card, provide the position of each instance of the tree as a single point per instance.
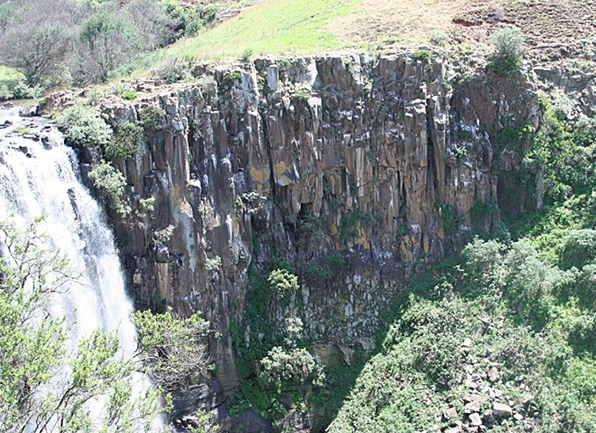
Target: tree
(103, 45)
(37, 39)
(44, 386)
(509, 55)
(172, 350)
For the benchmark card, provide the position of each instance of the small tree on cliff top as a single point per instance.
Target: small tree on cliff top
(509, 55)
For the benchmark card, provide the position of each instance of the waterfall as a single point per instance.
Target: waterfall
(39, 176)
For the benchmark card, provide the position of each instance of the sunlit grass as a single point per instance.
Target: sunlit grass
(271, 27)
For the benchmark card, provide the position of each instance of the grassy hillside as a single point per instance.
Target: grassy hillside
(294, 27)
(8, 77)
(272, 26)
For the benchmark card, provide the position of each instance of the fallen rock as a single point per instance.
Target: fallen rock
(475, 397)
(501, 410)
(526, 398)
(472, 407)
(475, 419)
(493, 375)
(450, 413)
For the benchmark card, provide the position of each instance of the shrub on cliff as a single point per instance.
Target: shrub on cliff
(83, 127)
(111, 185)
(283, 282)
(125, 141)
(509, 55)
(152, 118)
(286, 367)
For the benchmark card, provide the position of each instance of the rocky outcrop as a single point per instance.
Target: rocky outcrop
(357, 172)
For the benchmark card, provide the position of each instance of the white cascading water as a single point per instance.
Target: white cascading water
(38, 176)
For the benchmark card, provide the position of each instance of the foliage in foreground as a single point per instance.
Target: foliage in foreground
(172, 349)
(49, 388)
(35, 388)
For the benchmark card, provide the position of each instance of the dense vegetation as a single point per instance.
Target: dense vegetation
(57, 42)
(47, 387)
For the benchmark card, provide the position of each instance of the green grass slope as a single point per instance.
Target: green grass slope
(272, 26)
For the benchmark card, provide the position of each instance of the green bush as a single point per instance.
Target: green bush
(438, 38)
(509, 55)
(422, 55)
(171, 71)
(246, 55)
(21, 90)
(282, 282)
(579, 249)
(152, 118)
(83, 127)
(125, 142)
(111, 184)
(129, 95)
(283, 368)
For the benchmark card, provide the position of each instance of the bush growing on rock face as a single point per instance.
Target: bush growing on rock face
(152, 118)
(111, 184)
(125, 142)
(284, 368)
(509, 55)
(283, 282)
(422, 55)
(83, 127)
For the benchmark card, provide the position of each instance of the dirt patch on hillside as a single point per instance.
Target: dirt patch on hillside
(554, 29)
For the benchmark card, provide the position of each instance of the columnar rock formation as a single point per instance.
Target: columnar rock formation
(356, 171)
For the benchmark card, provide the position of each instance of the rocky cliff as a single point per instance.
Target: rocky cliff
(357, 172)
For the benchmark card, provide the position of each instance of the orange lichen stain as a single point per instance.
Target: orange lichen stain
(186, 208)
(407, 251)
(361, 240)
(257, 175)
(282, 174)
(176, 194)
(426, 246)
(279, 168)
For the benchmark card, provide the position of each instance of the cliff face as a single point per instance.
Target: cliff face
(358, 172)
